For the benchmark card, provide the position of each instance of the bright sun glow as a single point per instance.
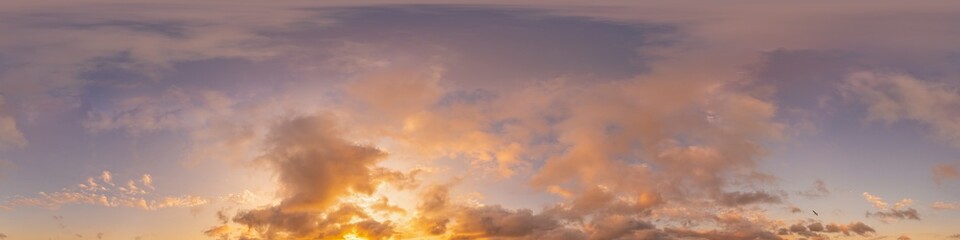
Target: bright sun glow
(353, 236)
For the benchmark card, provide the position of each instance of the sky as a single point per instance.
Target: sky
(521, 119)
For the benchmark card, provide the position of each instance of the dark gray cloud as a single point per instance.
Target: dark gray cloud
(816, 227)
(172, 29)
(746, 198)
(113, 70)
(486, 47)
(858, 228)
(895, 213)
(495, 221)
(437, 215)
(801, 230)
(818, 230)
(613, 226)
(273, 222)
(794, 209)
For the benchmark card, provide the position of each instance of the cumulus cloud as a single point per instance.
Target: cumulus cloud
(876, 201)
(105, 177)
(900, 211)
(103, 194)
(858, 228)
(437, 215)
(315, 166)
(147, 181)
(891, 98)
(906, 202)
(612, 139)
(316, 169)
(494, 221)
(816, 227)
(272, 222)
(805, 231)
(596, 215)
(685, 137)
(691, 143)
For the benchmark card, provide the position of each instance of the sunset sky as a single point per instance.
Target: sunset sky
(690, 119)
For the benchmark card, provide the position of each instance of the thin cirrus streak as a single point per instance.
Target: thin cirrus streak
(479, 120)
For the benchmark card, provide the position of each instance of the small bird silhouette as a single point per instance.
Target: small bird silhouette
(815, 212)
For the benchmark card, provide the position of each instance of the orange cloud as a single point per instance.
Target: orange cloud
(10, 135)
(900, 210)
(942, 172)
(316, 168)
(945, 205)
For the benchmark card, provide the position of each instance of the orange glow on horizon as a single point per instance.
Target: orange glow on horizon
(353, 236)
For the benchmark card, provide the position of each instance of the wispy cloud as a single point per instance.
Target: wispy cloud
(894, 97)
(819, 190)
(945, 205)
